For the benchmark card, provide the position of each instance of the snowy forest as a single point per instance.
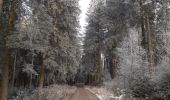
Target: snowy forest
(120, 52)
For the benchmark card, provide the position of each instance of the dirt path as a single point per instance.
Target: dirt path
(83, 94)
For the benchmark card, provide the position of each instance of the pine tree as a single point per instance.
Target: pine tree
(93, 43)
(32, 33)
(5, 67)
(63, 58)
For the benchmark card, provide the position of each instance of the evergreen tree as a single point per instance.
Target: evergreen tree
(93, 44)
(63, 58)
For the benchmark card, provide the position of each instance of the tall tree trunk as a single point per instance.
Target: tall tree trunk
(132, 58)
(98, 63)
(41, 76)
(143, 43)
(5, 77)
(114, 64)
(1, 3)
(30, 84)
(98, 53)
(149, 43)
(146, 35)
(5, 67)
(14, 68)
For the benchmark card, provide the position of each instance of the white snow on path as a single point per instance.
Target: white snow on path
(103, 93)
(64, 92)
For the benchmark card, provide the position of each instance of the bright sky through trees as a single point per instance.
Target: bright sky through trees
(84, 4)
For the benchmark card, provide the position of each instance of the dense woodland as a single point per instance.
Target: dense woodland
(125, 47)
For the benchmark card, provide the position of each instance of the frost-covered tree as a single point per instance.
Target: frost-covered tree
(162, 30)
(114, 18)
(93, 43)
(133, 70)
(33, 29)
(63, 57)
(119, 15)
(131, 54)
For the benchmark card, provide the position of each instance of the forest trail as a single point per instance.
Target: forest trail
(83, 94)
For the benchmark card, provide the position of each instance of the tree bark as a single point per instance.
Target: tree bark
(114, 65)
(149, 42)
(143, 43)
(5, 67)
(98, 58)
(98, 63)
(14, 67)
(1, 4)
(5, 77)
(41, 76)
(146, 35)
(30, 84)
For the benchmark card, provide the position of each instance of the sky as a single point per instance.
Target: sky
(84, 4)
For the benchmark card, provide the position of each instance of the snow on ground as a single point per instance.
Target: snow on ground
(54, 92)
(64, 92)
(104, 93)
(101, 92)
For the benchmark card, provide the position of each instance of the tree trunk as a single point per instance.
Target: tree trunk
(98, 63)
(5, 67)
(30, 84)
(143, 43)
(14, 67)
(132, 58)
(5, 77)
(1, 4)
(41, 76)
(114, 65)
(149, 43)
(146, 35)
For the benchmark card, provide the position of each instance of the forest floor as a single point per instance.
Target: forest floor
(83, 94)
(65, 92)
